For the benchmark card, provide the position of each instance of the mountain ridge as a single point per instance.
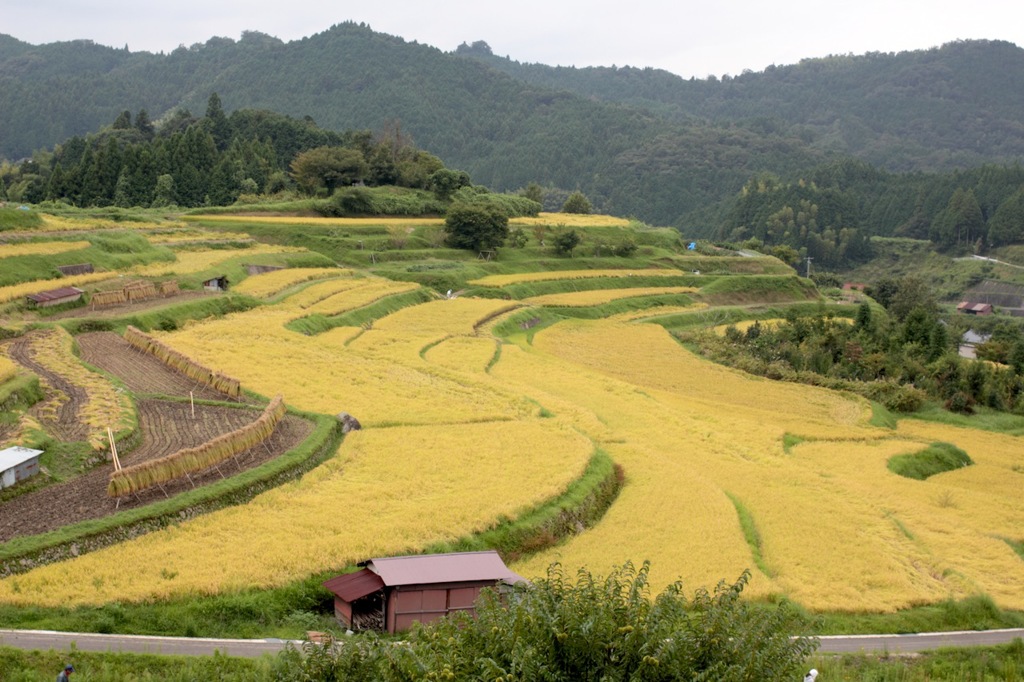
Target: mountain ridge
(639, 142)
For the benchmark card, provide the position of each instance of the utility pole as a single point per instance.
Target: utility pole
(809, 259)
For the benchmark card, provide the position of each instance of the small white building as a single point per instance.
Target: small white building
(969, 343)
(17, 464)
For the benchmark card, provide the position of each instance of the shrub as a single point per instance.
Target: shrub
(577, 203)
(582, 628)
(934, 459)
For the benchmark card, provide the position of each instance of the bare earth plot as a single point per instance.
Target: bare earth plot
(165, 427)
(141, 373)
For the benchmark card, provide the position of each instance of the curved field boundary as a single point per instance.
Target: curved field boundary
(183, 462)
(364, 315)
(523, 277)
(182, 362)
(25, 553)
(270, 284)
(582, 505)
(621, 305)
(565, 286)
(576, 299)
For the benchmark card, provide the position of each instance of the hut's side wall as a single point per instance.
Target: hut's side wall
(424, 603)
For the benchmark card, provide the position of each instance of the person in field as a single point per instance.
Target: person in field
(811, 676)
(66, 673)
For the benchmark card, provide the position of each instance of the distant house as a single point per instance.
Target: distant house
(261, 269)
(969, 343)
(79, 269)
(392, 593)
(216, 284)
(17, 464)
(971, 308)
(1006, 296)
(45, 299)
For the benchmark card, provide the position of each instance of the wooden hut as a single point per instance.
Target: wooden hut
(45, 299)
(973, 308)
(17, 464)
(261, 269)
(216, 283)
(392, 593)
(78, 269)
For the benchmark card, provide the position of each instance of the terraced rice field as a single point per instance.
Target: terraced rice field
(40, 248)
(599, 296)
(462, 429)
(519, 278)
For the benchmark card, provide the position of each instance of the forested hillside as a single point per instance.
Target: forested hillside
(938, 109)
(637, 142)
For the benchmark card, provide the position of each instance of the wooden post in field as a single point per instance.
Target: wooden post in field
(192, 401)
(113, 450)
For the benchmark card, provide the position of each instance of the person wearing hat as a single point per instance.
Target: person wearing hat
(66, 673)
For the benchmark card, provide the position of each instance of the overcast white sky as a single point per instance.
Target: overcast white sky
(687, 37)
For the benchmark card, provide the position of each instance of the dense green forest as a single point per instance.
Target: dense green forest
(638, 142)
(948, 107)
(216, 160)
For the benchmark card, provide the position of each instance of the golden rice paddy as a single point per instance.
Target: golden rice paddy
(15, 291)
(39, 248)
(520, 278)
(599, 296)
(268, 284)
(570, 220)
(462, 429)
(312, 220)
(189, 262)
(8, 368)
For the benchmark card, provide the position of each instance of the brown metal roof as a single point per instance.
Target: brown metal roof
(352, 586)
(441, 568)
(52, 294)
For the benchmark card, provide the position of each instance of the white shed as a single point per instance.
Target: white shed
(17, 464)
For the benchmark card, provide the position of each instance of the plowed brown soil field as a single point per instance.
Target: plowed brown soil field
(165, 427)
(141, 372)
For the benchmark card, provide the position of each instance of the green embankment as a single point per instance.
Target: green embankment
(108, 251)
(164, 318)
(318, 324)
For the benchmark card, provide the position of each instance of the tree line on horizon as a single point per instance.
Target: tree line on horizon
(637, 142)
(828, 214)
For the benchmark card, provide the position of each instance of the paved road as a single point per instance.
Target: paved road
(143, 644)
(919, 642)
(253, 648)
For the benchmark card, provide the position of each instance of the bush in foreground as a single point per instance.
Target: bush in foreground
(584, 629)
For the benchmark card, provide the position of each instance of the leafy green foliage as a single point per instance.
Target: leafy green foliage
(580, 629)
(327, 168)
(636, 141)
(577, 203)
(934, 459)
(566, 242)
(820, 223)
(480, 226)
(17, 219)
(899, 363)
